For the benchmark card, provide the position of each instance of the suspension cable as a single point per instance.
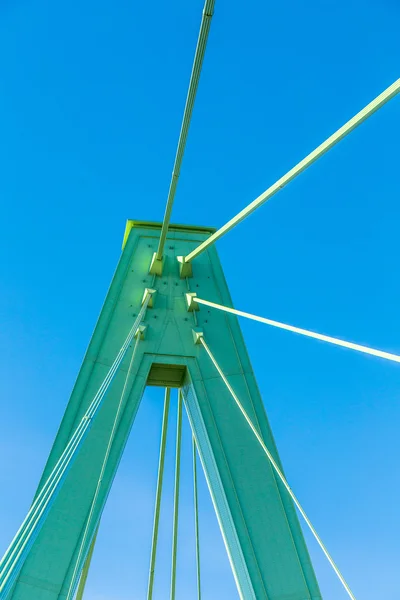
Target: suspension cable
(187, 115)
(366, 112)
(89, 522)
(196, 517)
(176, 496)
(306, 332)
(13, 559)
(86, 567)
(276, 468)
(160, 478)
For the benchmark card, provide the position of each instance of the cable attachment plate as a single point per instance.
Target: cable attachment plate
(197, 335)
(141, 332)
(152, 293)
(156, 265)
(185, 268)
(191, 303)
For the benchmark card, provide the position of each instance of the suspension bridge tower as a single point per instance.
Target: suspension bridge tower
(168, 321)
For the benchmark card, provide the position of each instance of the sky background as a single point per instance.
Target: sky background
(91, 100)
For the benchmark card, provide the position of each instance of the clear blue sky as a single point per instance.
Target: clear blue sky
(91, 98)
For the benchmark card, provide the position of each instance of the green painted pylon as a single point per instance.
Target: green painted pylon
(258, 521)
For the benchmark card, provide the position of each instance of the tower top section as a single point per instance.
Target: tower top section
(130, 224)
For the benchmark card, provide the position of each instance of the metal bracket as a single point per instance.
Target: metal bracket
(156, 265)
(141, 331)
(152, 293)
(185, 268)
(191, 303)
(197, 335)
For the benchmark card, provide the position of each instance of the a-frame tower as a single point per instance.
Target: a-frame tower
(258, 521)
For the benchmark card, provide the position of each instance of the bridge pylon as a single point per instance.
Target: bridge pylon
(258, 520)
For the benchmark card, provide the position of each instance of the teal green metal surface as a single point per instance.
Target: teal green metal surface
(258, 521)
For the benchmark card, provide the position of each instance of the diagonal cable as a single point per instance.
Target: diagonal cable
(359, 118)
(312, 334)
(89, 522)
(187, 115)
(13, 559)
(277, 469)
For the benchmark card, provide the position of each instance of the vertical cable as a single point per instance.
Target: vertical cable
(160, 478)
(176, 495)
(196, 518)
